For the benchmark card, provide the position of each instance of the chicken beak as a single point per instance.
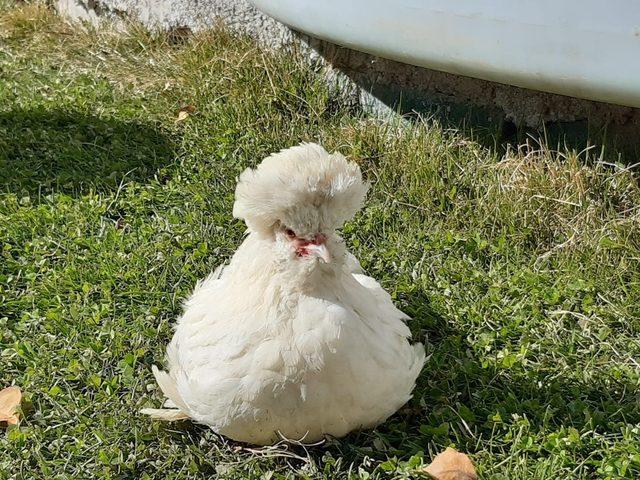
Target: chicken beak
(320, 250)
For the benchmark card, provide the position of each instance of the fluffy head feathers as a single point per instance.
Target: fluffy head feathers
(303, 188)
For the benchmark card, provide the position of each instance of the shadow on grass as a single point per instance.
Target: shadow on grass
(50, 150)
(455, 387)
(459, 401)
(615, 143)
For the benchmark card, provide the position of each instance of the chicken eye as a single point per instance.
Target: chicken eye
(289, 233)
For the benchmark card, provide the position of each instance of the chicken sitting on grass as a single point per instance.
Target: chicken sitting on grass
(291, 340)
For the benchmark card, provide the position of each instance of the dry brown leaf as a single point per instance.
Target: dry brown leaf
(451, 465)
(10, 399)
(184, 112)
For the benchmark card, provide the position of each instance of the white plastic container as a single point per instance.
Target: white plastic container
(581, 48)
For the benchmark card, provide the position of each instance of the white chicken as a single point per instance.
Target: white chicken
(290, 339)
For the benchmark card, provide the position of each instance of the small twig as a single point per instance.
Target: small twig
(565, 202)
(631, 359)
(560, 246)
(579, 316)
(463, 422)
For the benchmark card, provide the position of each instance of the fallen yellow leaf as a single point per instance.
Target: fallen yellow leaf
(451, 465)
(10, 399)
(184, 112)
(182, 115)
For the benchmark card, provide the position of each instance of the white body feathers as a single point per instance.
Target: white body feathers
(275, 345)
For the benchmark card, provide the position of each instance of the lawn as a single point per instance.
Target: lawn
(519, 262)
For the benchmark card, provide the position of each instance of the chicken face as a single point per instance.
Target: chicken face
(307, 246)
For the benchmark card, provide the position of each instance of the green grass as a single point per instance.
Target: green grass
(520, 266)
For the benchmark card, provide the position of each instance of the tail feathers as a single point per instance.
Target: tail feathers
(166, 414)
(170, 390)
(419, 358)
